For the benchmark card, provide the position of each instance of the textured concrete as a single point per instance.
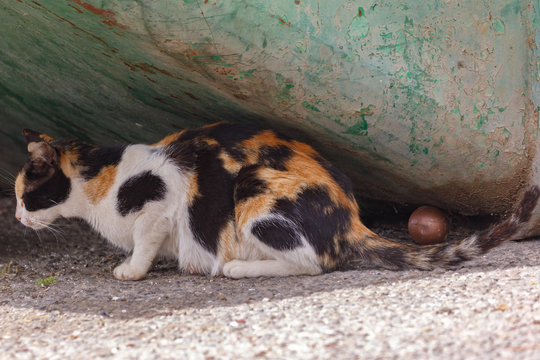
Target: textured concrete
(485, 309)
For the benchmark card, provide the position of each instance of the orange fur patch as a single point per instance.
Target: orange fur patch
(252, 208)
(168, 139)
(327, 261)
(97, 188)
(267, 137)
(311, 172)
(193, 191)
(68, 163)
(231, 165)
(227, 243)
(19, 185)
(303, 148)
(46, 138)
(210, 141)
(253, 144)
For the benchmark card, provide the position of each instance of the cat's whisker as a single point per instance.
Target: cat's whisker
(39, 237)
(57, 232)
(8, 192)
(7, 177)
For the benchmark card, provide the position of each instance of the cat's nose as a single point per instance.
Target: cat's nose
(18, 217)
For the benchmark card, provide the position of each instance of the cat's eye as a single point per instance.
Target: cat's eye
(22, 203)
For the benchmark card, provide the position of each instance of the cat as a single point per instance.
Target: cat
(223, 199)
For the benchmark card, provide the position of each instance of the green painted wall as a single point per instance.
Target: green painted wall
(424, 102)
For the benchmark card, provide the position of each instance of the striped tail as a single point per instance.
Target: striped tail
(381, 251)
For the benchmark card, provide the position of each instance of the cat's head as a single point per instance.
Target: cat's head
(41, 186)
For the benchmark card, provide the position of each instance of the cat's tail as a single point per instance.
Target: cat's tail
(388, 253)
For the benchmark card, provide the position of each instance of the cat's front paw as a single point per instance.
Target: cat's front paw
(125, 271)
(235, 269)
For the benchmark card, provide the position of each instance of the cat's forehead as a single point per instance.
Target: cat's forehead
(34, 173)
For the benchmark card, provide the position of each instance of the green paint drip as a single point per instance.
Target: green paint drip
(310, 106)
(361, 126)
(439, 142)
(248, 73)
(408, 21)
(498, 26)
(284, 86)
(359, 27)
(301, 47)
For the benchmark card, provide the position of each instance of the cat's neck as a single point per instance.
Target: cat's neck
(92, 171)
(77, 204)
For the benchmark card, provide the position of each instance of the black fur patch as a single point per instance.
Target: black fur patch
(96, 158)
(36, 170)
(138, 190)
(53, 191)
(182, 154)
(460, 257)
(248, 184)
(226, 134)
(500, 233)
(393, 256)
(32, 136)
(341, 179)
(528, 203)
(278, 234)
(318, 218)
(275, 156)
(213, 208)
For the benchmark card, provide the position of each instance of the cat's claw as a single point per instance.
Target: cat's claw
(125, 271)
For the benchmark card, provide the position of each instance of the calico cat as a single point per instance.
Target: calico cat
(223, 199)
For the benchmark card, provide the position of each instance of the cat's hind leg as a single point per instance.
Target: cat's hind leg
(280, 243)
(237, 269)
(284, 250)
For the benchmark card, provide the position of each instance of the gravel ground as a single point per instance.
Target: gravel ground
(486, 309)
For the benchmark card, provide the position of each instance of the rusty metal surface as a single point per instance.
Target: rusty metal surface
(426, 102)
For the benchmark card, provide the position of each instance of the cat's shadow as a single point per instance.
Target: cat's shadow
(81, 263)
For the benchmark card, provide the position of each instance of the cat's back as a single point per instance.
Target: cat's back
(221, 150)
(235, 145)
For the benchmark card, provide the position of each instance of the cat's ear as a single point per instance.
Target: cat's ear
(43, 152)
(39, 148)
(34, 136)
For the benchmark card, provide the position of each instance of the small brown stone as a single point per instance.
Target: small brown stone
(428, 225)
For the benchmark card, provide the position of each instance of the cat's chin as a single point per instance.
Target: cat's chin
(35, 225)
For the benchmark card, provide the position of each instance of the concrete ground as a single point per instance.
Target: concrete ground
(58, 300)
